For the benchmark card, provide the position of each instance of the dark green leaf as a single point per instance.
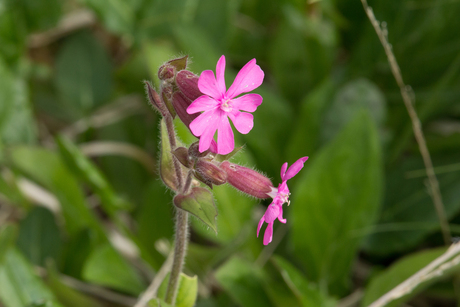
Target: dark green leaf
(338, 194)
(186, 293)
(200, 203)
(83, 74)
(8, 234)
(39, 238)
(243, 282)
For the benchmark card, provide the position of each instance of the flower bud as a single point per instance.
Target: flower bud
(169, 69)
(166, 94)
(194, 151)
(210, 172)
(180, 104)
(181, 154)
(155, 99)
(187, 82)
(247, 180)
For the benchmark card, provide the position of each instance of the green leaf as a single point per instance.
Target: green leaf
(84, 168)
(40, 15)
(200, 203)
(305, 136)
(8, 234)
(65, 294)
(304, 290)
(156, 302)
(243, 282)
(118, 16)
(351, 99)
(338, 194)
(186, 293)
(47, 169)
(83, 74)
(106, 267)
(397, 273)
(16, 123)
(39, 237)
(18, 284)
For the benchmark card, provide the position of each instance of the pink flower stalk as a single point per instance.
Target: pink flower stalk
(218, 104)
(280, 196)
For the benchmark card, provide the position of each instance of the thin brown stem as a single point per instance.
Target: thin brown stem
(407, 95)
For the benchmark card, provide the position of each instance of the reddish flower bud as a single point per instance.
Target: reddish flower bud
(166, 72)
(155, 99)
(210, 172)
(180, 104)
(193, 151)
(247, 180)
(181, 154)
(187, 82)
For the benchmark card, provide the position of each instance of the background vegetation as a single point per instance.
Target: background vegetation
(85, 220)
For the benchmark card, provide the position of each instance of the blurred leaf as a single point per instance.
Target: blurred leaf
(200, 47)
(16, 123)
(40, 15)
(83, 74)
(76, 251)
(301, 288)
(13, 32)
(408, 214)
(158, 303)
(351, 99)
(397, 273)
(117, 15)
(200, 203)
(66, 295)
(39, 237)
(337, 195)
(83, 167)
(301, 52)
(243, 282)
(18, 284)
(186, 293)
(305, 136)
(106, 267)
(47, 169)
(8, 234)
(155, 219)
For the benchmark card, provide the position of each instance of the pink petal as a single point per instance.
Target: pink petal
(248, 78)
(220, 74)
(280, 215)
(243, 121)
(248, 102)
(268, 234)
(261, 222)
(206, 138)
(225, 139)
(294, 169)
(208, 85)
(213, 146)
(202, 103)
(283, 169)
(205, 121)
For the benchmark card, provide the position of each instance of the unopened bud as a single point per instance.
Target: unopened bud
(155, 99)
(180, 104)
(181, 153)
(169, 69)
(210, 172)
(194, 151)
(247, 180)
(166, 94)
(187, 82)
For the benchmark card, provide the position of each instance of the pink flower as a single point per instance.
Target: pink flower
(280, 196)
(218, 105)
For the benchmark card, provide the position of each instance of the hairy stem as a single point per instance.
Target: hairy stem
(172, 141)
(180, 249)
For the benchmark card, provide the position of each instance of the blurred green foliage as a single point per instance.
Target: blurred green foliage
(79, 203)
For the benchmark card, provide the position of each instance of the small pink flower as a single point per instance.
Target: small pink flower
(219, 104)
(280, 196)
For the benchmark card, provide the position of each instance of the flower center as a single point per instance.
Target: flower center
(226, 105)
